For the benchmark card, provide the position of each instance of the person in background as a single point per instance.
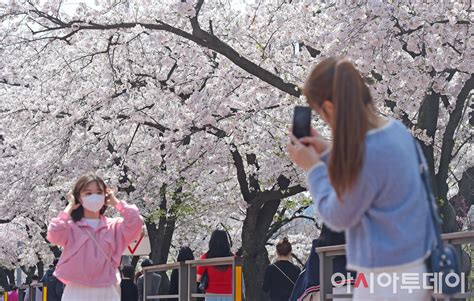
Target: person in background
(219, 277)
(13, 294)
(280, 277)
(93, 243)
(127, 286)
(38, 293)
(55, 286)
(240, 252)
(307, 285)
(367, 183)
(137, 275)
(155, 281)
(184, 254)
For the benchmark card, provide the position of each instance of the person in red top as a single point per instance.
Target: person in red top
(219, 277)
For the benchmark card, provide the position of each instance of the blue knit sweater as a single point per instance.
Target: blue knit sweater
(385, 215)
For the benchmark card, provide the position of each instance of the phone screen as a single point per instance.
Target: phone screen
(301, 121)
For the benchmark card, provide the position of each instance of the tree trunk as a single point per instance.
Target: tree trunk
(254, 270)
(160, 239)
(466, 185)
(262, 207)
(161, 234)
(428, 120)
(447, 147)
(256, 224)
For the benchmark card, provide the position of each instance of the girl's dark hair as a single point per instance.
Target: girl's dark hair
(327, 237)
(128, 271)
(185, 253)
(219, 246)
(338, 81)
(283, 247)
(81, 183)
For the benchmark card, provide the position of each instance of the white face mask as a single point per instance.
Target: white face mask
(93, 202)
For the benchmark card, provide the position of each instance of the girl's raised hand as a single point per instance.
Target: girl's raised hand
(71, 202)
(110, 198)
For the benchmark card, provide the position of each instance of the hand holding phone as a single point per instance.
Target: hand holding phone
(317, 141)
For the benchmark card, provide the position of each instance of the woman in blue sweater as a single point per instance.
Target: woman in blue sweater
(367, 183)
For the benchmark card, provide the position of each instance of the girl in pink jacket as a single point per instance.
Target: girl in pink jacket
(92, 243)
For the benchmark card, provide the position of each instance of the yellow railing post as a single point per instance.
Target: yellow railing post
(238, 282)
(5, 296)
(45, 293)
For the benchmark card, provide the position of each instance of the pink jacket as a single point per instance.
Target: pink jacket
(81, 261)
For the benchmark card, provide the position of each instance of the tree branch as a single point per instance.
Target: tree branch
(275, 227)
(198, 36)
(241, 175)
(404, 116)
(4, 81)
(469, 139)
(194, 20)
(269, 195)
(253, 179)
(402, 31)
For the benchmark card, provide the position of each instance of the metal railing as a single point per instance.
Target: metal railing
(326, 254)
(31, 292)
(147, 279)
(187, 288)
(237, 282)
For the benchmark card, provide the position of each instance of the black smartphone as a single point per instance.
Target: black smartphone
(302, 122)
